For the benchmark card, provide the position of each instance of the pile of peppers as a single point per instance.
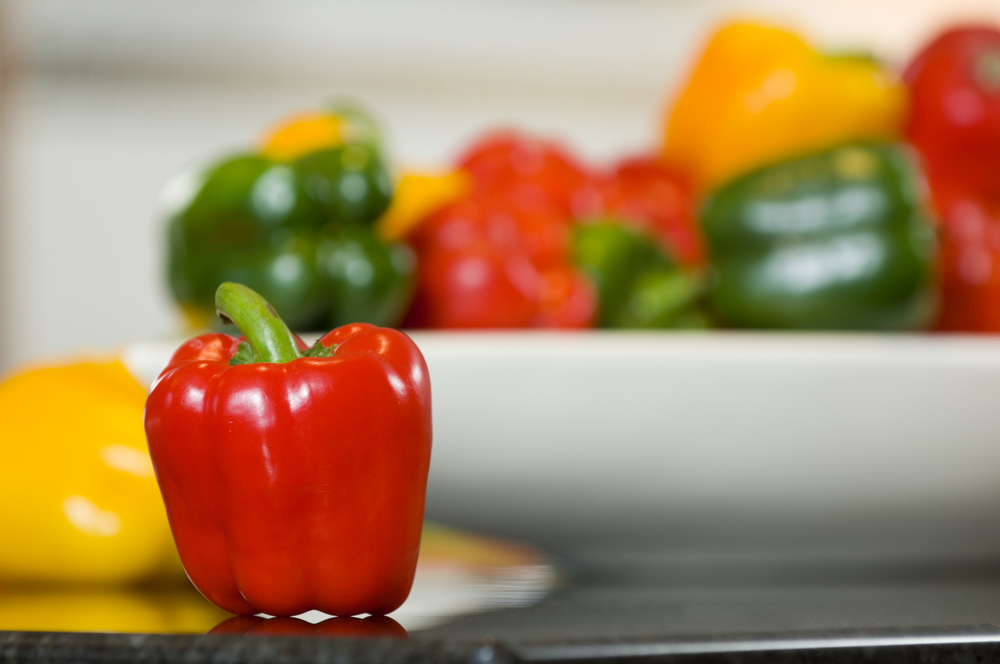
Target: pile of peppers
(539, 241)
(813, 208)
(790, 191)
(783, 197)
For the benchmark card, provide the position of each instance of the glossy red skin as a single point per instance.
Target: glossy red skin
(954, 118)
(296, 486)
(969, 235)
(651, 196)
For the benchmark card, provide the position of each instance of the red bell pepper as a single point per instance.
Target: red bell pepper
(970, 259)
(654, 198)
(293, 479)
(486, 262)
(508, 163)
(954, 122)
(500, 257)
(954, 116)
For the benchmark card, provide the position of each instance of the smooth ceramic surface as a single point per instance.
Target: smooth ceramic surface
(705, 440)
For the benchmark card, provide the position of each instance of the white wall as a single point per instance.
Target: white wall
(116, 95)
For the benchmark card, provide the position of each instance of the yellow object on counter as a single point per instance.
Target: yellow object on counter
(148, 611)
(78, 499)
(759, 95)
(418, 194)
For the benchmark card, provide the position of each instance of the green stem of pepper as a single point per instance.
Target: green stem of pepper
(268, 336)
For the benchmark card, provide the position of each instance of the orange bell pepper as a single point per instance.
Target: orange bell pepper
(759, 95)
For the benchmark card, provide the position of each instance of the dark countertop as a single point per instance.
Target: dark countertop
(925, 646)
(937, 620)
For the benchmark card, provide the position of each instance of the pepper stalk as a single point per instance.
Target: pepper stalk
(267, 336)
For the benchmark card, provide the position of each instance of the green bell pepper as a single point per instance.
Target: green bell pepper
(638, 284)
(298, 232)
(283, 228)
(835, 240)
(245, 219)
(366, 279)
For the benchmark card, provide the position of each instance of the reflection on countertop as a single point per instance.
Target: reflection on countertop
(458, 573)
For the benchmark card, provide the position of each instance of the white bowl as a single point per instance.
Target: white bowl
(699, 441)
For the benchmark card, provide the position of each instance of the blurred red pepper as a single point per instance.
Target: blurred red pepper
(955, 107)
(486, 263)
(652, 197)
(532, 170)
(500, 257)
(970, 259)
(955, 124)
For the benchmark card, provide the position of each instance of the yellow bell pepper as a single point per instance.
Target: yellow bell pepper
(311, 131)
(759, 95)
(78, 499)
(302, 134)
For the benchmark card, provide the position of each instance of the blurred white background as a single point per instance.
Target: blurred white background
(104, 100)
